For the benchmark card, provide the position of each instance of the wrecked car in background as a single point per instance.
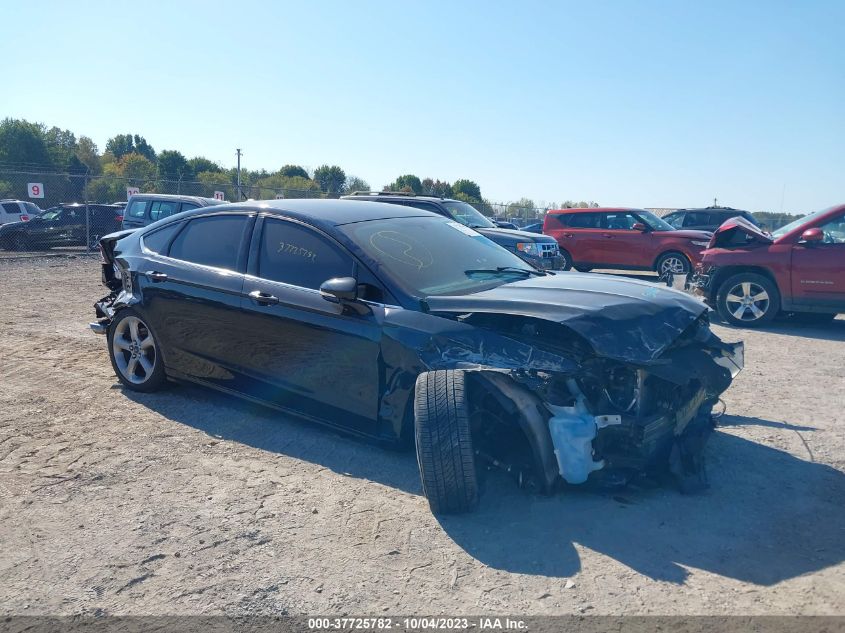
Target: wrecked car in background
(407, 327)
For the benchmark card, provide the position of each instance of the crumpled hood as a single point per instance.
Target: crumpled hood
(623, 319)
(724, 232)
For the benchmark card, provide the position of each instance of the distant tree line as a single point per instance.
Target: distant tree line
(129, 160)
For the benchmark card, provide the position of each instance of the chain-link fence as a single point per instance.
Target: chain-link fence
(81, 207)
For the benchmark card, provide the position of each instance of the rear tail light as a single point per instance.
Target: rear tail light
(119, 218)
(24, 218)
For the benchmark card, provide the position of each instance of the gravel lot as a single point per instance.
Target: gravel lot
(191, 502)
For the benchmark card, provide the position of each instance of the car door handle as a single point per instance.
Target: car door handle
(156, 276)
(607, 235)
(263, 299)
(568, 235)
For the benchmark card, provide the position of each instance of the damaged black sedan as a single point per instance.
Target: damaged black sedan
(407, 327)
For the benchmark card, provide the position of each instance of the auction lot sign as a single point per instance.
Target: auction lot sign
(131, 191)
(35, 189)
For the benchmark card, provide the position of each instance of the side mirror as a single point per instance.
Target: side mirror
(639, 226)
(813, 236)
(339, 289)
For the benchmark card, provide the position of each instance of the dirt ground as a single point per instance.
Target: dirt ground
(188, 502)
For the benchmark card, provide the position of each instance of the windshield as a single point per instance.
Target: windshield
(468, 215)
(796, 223)
(429, 256)
(50, 215)
(655, 223)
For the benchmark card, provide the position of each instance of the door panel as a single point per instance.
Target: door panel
(308, 354)
(622, 245)
(818, 270)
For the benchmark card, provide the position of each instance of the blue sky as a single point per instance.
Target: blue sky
(634, 103)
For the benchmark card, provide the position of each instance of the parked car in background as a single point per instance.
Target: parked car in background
(407, 327)
(534, 228)
(539, 250)
(145, 208)
(18, 211)
(506, 224)
(629, 239)
(749, 276)
(707, 219)
(62, 225)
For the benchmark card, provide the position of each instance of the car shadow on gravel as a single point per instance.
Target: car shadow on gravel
(229, 418)
(767, 517)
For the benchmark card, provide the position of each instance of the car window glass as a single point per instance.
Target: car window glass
(11, 207)
(297, 255)
(137, 209)
(584, 220)
(189, 205)
(31, 207)
(834, 231)
(160, 209)
(676, 220)
(619, 221)
(213, 241)
(695, 219)
(157, 241)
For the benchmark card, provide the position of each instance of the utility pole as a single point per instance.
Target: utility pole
(239, 174)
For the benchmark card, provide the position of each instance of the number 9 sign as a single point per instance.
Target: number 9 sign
(36, 189)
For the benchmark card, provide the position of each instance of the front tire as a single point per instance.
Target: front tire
(443, 442)
(566, 264)
(135, 353)
(748, 300)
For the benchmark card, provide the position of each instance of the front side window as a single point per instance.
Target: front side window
(699, 219)
(294, 254)
(137, 209)
(619, 221)
(653, 222)
(676, 220)
(834, 231)
(160, 209)
(212, 241)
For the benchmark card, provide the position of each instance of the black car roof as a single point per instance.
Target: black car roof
(712, 209)
(319, 212)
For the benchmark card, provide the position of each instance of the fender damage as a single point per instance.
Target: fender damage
(614, 390)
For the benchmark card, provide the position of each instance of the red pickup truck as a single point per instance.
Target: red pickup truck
(749, 276)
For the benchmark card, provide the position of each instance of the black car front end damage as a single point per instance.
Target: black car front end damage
(619, 388)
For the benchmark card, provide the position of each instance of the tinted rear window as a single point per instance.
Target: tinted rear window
(160, 209)
(214, 241)
(11, 207)
(137, 209)
(584, 220)
(157, 241)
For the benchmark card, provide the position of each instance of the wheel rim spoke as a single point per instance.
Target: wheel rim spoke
(733, 299)
(757, 312)
(147, 342)
(740, 312)
(146, 365)
(760, 296)
(133, 330)
(121, 343)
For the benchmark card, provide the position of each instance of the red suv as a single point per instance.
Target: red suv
(630, 239)
(749, 276)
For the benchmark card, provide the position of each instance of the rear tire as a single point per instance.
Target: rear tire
(748, 300)
(443, 442)
(583, 269)
(135, 353)
(673, 262)
(567, 259)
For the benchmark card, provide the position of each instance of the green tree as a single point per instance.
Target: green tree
(468, 188)
(431, 187)
(172, 165)
(291, 171)
(354, 183)
(22, 143)
(124, 144)
(330, 178)
(523, 208)
(288, 186)
(87, 153)
(199, 164)
(408, 182)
